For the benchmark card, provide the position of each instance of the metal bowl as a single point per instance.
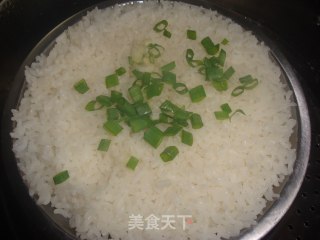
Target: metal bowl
(300, 139)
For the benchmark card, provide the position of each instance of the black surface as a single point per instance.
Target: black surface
(295, 25)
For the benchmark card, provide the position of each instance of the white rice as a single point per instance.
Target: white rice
(223, 181)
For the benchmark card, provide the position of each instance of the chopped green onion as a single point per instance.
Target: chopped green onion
(146, 78)
(190, 60)
(163, 118)
(228, 73)
(138, 124)
(174, 111)
(180, 88)
(220, 85)
(113, 114)
(221, 115)
(61, 177)
(225, 113)
(237, 91)
(115, 96)
(166, 33)
(154, 51)
(113, 127)
(81, 86)
(126, 108)
(120, 71)
(181, 122)
(224, 41)
(214, 73)
(104, 145)
(169, 77)
(168, 67)
(91, 106)
(226, 108)
(222, 57)
(132, 163)
(104, 100)
(138, 74)
(191, 34)
(172, 130)
(157, 47)
(111, 80)
(135, 93)
(169, 153)
(154, 89)
(153, 136)
(246, 79)
(196, 121)
(209, 46)
(160, 26)
(251, 85)
(186, 137)
(197, 93)
(143, 109)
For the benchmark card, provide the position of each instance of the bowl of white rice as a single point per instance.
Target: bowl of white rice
(158, 120)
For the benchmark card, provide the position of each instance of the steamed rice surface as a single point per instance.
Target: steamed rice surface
(224, 180)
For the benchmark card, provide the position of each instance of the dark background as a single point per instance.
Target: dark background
(293, 24)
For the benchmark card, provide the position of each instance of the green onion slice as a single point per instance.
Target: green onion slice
(154, 89)
(104, 100)
(120, 71)
(138, 124)
(135, 93)
(226, 108)
(191, 34)
(91, 106)
(132, 163)
(113, 127)
(160, 26)
(180, 88)
(61, 177)
(251, 85)
(172, 130)
(111, 80)
(169, 153)
(186, 138)
(190, 60)
(246, 79)
(220, 85)
(166, 33)
(222, 57)
(143, 109)
(154, 51)
(214, 73)
(228, 73)
(209, 46)
(196, 121)
(197, 93)
(237, 91)
(104, 145)
(153, 136)
(168, 67)
(169, 78)
(221, 115)
(113, 114)
(81, 86)
(138, 74)
(224, 41)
